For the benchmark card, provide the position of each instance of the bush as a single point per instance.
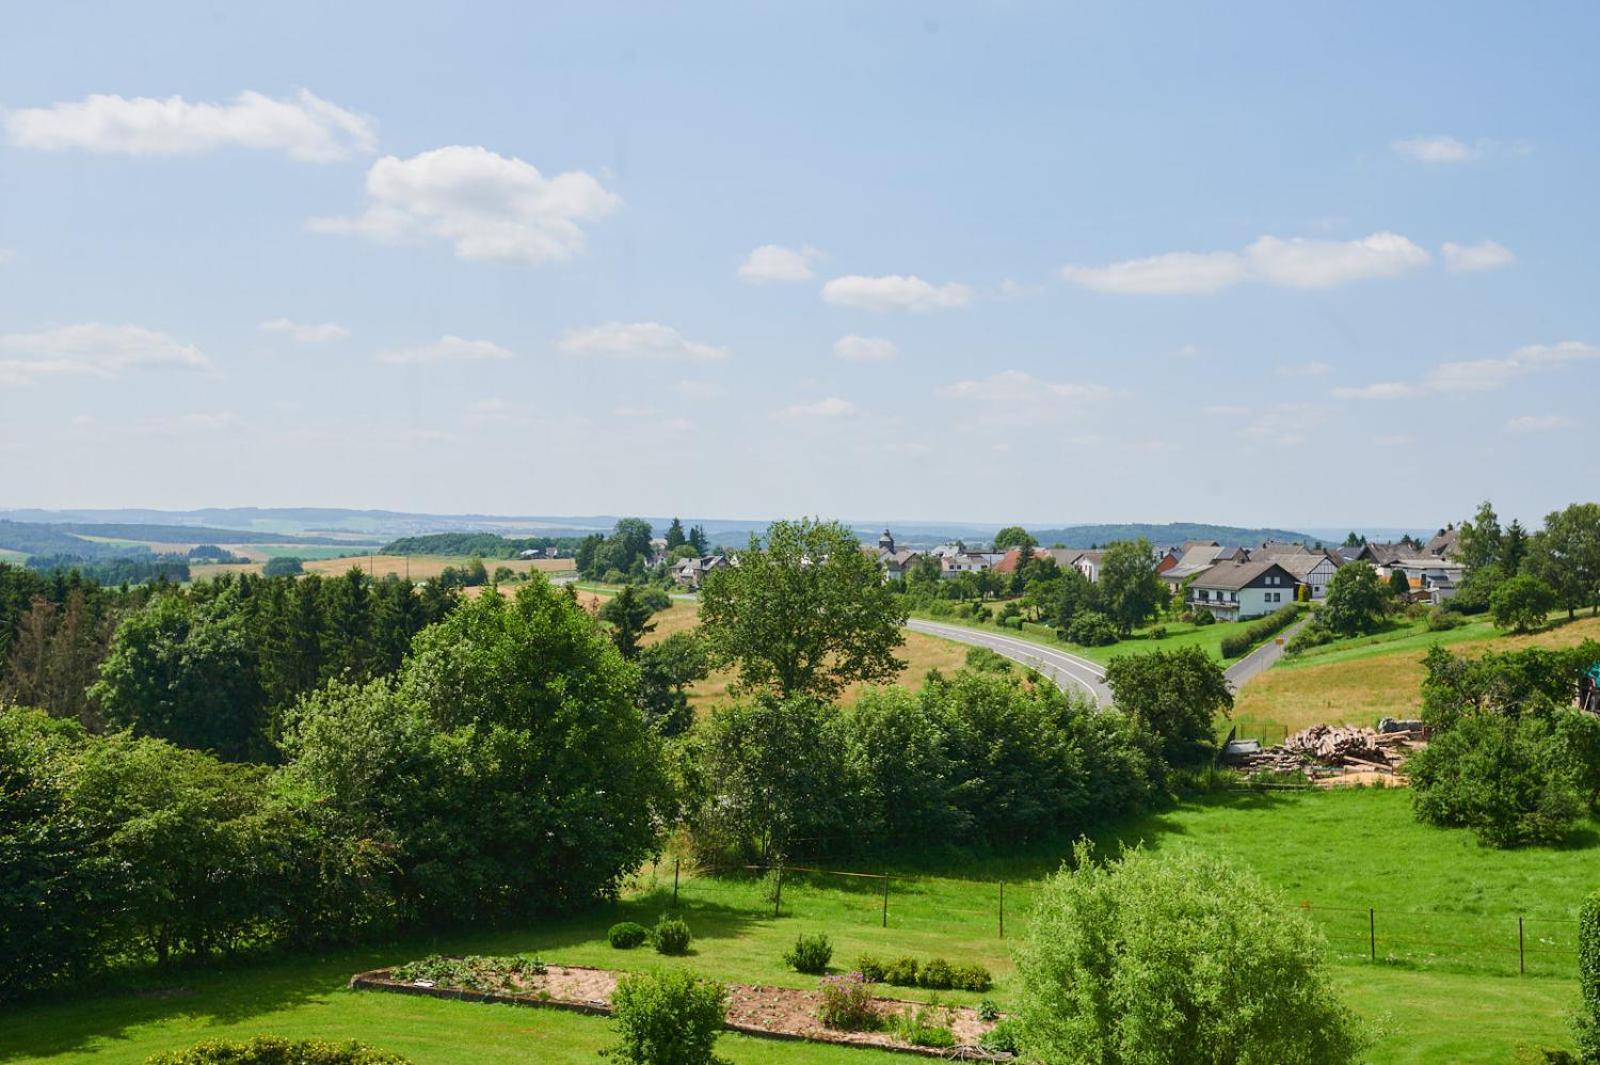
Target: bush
(970, 978)
(846, 1004)
(1090, 628)
(1313, 635)
(1133, 958)
(282, 566)
(667, 1018)
(902, 972)
(1203, 617)
(871, 969)
(270, 1050)
(1587, 1023)
(925, 1026)
(936, 975)
(988, 1011)
(1159, 632)
(1442, 620)
(811, 954)
(1521, 603)
(1237, 643)
(671, 936)
(1002, 1038)
(472, 973)
(625, 935)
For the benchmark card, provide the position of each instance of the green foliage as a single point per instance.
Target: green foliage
(1075, 594)
(1400, 585)
(1003, 1038)
(1175, 697)
(810, 954)
(283, 566)
(666, 670)
(629, 617)
(1442, 620)
(624, 552)
(1355, 602)
(1130, 591)
(924, 1026)
(473, 973)
(1521, 603)
(935, 974)
(807, 615)
(1237, 643)
(845, 1004)
(1587, 1021)
(871, 968)
(1090, 628)
(988, 1011)
(1565, 554)
(671, 935)
(668, 1017)
(986, 660)
(270, 1050)
(1013, 536)
(1175, 958)
(1204, 617)
(625, 935)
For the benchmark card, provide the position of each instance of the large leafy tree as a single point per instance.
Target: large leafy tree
(629, 617)
(1173, 958)
(1565, 554)
(1521, 603)
(806, 614)
(1355, 601)
(1130, 590)
(1013, 536)
(1480, 541)
(1174, 696)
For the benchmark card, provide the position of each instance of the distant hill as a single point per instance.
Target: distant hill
(69, 538)
(1171, 533)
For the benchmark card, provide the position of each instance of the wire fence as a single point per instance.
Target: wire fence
(976, 910)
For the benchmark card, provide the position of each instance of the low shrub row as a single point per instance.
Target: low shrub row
(671, 935)
(1237, 643)
(270, 1050)
(472, 973)
(936, 974)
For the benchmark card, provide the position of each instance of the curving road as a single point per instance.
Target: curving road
(1070, 672)
(1261, 659)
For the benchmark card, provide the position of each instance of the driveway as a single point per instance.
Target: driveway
(1070, 672)
(1261, 659)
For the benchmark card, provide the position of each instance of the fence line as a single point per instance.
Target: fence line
(1389, 935)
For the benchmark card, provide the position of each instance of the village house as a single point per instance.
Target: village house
(1313, 568)
(1088, 564)
(690, 572)
(1235, 590)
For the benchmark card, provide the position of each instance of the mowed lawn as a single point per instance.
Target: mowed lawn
(1445, 987)
(1361, 681)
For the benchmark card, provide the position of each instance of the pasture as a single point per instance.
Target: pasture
(1445, 986)
(333, 561)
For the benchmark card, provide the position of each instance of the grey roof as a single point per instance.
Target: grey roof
(1280, 548)
(1234, 576)
(1301, 565)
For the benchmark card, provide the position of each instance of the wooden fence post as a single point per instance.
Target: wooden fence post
(1372, 934)
(675, 862)
(1002, 909)
(1522, 954)
(777, 896)
(886, 900)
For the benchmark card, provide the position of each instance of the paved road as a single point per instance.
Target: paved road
(1068, 671)
(1261, 659)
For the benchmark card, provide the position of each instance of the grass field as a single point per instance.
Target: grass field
(333, 561)
(1445, 988)
(1357, 682)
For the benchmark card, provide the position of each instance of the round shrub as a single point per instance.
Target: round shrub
(871, 968)
(270, 1050)
(811, 954)
(846, 1005)
(1202, 617)
(671, 936)
(1002, 1038)
(1092, 629)
(936, 975)
(902, 972)
(1129, 962)
(625, 935)
(970, 978)
(667, 1018)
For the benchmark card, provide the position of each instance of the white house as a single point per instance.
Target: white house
(1312, 568)
(1235, 590)
(1088, 564)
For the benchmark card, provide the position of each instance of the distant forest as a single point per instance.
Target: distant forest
(1160, 535)
(484, 545)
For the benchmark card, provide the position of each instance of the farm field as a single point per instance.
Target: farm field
(1357, 683)
(333, 561)
(1445, 988)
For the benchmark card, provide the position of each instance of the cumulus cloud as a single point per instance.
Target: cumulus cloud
(894, 292)
(774, 262)
(1439, 148)
(304, 127)
(1485, 256)
(488, 206)
(305, 333)
(94, 350)
(831, 407)
(644, 340)
(1539, 423)
(865, 349)
(1479, 375)
(446, 349)
(1296, 262)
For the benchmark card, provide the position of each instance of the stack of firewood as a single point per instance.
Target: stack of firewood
(1340, 746)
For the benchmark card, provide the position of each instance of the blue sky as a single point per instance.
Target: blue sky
(1045, 262)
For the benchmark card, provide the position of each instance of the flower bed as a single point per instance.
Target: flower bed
(771, 1012)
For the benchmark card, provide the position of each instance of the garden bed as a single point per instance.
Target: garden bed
(769, 1012)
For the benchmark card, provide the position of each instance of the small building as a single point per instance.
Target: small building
(1235, 590)
(1444, 543)
(690, 572)
(1088, 564)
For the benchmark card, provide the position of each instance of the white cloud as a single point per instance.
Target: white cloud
(701, 390)
(489, 206)
(1378, 390)
(446, 349)
(305, 127)
(774, 262)
(1022, 398)
(832, 407)
(893, 292)
(1484, 256)
(305, 333)
(1539, 423)
(1303, 263)
(92, 349)
(865, 349)
(1297, 262)
(1174, 273)
(1439, 148)
(1285, 424)
(646, 340)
